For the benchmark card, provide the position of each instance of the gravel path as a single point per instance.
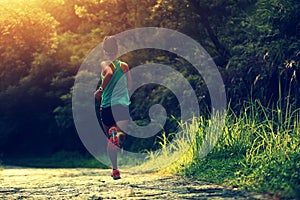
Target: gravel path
(28, 183)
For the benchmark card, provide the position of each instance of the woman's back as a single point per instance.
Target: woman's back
(116, 91)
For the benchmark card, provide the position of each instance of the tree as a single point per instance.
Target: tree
(24, 31)
(268, 59)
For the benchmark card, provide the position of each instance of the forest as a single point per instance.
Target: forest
(254, 43)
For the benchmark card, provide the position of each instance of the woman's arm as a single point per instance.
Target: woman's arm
(107, 72)
(125, 69)
(129, 81)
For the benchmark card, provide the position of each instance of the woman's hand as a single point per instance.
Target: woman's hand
(98, 94)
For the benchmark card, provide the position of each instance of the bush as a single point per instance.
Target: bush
(258, 150)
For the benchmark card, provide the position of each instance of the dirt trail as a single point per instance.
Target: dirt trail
(28, 183)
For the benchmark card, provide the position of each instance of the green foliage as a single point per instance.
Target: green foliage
(255, 44)
(257, 150)
(262, 55)
(25, 31)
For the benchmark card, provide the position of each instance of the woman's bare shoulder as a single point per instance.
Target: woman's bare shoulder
(105, 63)
(124, 67)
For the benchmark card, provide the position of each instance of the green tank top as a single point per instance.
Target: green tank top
(114, 93)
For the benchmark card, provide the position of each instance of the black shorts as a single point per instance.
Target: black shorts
(116, 113)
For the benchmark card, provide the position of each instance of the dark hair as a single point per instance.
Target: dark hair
(110, 45)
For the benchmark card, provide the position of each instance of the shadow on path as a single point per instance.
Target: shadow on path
(29, 183)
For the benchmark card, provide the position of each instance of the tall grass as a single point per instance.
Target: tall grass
(258, 150)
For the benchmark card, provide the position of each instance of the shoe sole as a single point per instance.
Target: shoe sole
(116, 178)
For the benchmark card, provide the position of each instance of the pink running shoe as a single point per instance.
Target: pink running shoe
(115, 174)
(113, 137)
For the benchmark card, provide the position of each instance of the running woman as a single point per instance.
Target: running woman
(114, 96)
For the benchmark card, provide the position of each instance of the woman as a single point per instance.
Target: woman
(114, 96)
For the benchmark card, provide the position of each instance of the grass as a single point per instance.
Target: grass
(58, 160)
(258, 150)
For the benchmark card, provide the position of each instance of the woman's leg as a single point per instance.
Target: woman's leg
(112, 152)
(121, 125)
(106, 128)
(122, 128)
